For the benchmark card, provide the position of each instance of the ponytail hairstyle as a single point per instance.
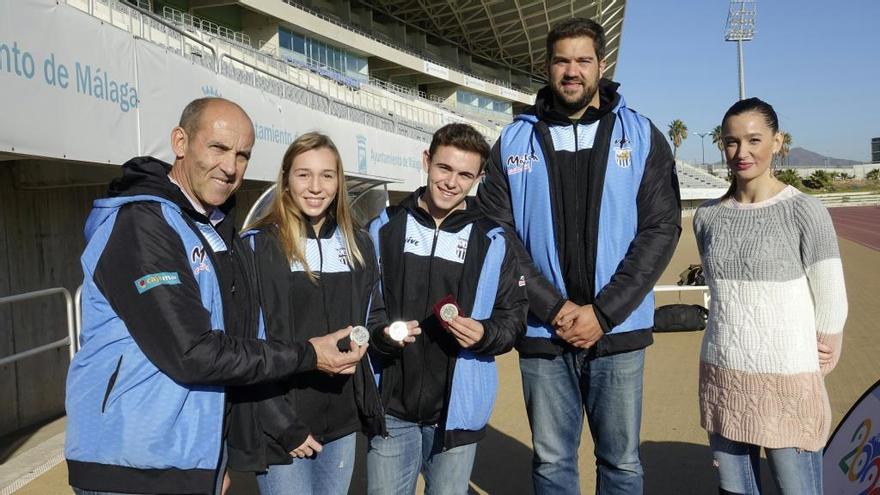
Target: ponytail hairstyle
(291, 223)
(749, 105)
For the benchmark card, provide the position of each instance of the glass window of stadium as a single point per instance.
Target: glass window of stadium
(314, 53)
(483, 104)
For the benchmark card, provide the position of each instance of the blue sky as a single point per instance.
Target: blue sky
(816, 62)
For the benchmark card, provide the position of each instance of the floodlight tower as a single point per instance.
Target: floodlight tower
(741, 27)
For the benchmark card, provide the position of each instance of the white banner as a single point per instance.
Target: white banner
(67, 84)
(851, 462)
(475, 83)
(436, 70)
(92, 93)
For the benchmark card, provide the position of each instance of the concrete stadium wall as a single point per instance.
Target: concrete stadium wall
(40, 243)
(859, 171)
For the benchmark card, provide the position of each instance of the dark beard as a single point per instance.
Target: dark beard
(574, 107)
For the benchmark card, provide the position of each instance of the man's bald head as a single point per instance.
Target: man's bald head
(191, 117)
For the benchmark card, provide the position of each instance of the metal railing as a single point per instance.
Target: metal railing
(70, 341)
(189, 20)
(143, 24)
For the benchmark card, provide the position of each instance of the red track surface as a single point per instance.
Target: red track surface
(859, 224)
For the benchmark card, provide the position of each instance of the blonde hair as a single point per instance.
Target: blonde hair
(285, 215)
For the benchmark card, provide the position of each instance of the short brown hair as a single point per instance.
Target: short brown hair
(463, 137)
(577, 27)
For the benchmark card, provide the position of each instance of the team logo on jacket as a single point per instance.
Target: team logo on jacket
(520, 163)
(342, 254)
(152, 280)
(622, 153)
(461, 249)
(198, 256)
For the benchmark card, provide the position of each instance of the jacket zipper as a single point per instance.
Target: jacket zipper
(323, 309)
(427, 302)
(580, 254)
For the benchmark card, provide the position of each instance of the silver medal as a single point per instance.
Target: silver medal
(448, 312)
(360, 335)
(398, 331)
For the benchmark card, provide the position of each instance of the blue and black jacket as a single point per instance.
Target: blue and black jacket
(167, 308)
(595, 205)
(434, 381)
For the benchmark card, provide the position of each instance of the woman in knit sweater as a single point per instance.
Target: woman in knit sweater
(778, 307)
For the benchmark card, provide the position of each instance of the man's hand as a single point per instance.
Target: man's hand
(578, 325)
(566, 308)
(412, 328)
(308, 448)
(330, 360)
(466, 331)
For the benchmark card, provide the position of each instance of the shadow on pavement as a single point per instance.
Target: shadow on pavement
(12, 442)
(503, 465)
(678, 467)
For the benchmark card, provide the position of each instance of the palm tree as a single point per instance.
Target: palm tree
(786, 147)
(788, 176)
(716, 140)
(678, 132)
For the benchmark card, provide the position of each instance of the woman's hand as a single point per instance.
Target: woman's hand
(308, 448)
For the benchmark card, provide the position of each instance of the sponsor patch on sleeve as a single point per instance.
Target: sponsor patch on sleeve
(152, 280)
(522, 281)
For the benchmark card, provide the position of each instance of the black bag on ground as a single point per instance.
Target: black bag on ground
(680, 318)
(693, 275)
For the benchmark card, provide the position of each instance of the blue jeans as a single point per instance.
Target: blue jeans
(795, 471)
(394, 462)
(557, 393)
(327, 473)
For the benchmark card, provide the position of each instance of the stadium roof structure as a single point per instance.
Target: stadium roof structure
(511, 33)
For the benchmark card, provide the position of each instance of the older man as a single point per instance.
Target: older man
(168, 306)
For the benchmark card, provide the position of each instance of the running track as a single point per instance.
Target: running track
(860, 224)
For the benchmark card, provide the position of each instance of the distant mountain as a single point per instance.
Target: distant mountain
(800, 157)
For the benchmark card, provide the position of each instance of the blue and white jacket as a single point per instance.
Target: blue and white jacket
(434, 380)
(595, 206)
(163, 290)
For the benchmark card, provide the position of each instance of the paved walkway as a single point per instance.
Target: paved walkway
(674, 448)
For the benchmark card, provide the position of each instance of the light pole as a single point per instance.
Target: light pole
(741, 27)
(703, 144)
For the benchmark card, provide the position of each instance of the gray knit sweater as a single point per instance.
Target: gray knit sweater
(776, 283)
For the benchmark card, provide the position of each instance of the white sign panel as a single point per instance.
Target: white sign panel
(475, 83)
(62, 95)
(436, 70)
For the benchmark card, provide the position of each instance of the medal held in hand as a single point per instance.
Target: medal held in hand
(360, 335)
(446, 309)
(398, 331)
